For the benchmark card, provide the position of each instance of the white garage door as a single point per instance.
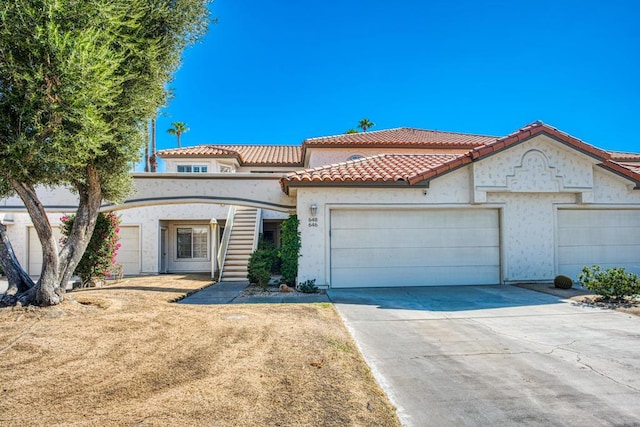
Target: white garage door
(393, 247)
(35, 250)
(609, 238)
(129, 253)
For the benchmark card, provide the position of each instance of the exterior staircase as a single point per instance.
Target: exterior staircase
(238, 242)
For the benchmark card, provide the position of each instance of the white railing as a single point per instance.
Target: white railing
(222, 253)
(256, 232)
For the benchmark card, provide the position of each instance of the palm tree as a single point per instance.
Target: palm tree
(178, 129)
(153, 159)
(351, 131)
(365, 124)
(146, 147)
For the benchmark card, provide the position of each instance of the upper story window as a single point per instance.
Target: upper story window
(354, 157)
(192, 168)
(225, 169)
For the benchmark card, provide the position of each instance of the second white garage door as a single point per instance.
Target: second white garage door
(606, 237)
(396, 247)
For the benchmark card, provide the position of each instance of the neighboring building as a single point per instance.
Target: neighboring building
(399, 207)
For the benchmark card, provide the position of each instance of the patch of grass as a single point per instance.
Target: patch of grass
(340, 345)
(147, 361)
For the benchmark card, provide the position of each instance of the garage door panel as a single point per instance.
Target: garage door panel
(601, 254)
(445, 257)
(414, 276)
(609, 238)
(398, 219)
(412, 238)
(386, 247)
(129, 253)
(593, 219)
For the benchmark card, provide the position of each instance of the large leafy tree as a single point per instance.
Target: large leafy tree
(78, 80)
(177, 129)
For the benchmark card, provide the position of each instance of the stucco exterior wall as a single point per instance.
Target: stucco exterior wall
(452, 190)
(528, 183)
(327, 156)
(148, 219)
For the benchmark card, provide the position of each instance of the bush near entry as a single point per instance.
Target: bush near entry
(612, 283)
(262, 263)
(289, 249)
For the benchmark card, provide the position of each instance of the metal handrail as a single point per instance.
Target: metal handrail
(256, 232)
(228, 226)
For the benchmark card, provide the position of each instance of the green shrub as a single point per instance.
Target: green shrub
(308, 287)
(563, 282)
(259, 267)
(271, 252)
(289, 249)
(101, 252)
(611, 283)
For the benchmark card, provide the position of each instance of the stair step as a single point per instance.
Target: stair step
(235, 263)
(238, 256)
(232, 270)
(234, 274)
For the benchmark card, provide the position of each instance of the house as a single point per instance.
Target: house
(398, 207)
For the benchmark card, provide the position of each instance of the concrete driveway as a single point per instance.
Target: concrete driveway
(496, 356)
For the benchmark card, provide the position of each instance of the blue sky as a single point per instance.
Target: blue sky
(277, 72)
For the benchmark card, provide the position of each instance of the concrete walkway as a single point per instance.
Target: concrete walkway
(229, 293)
(496, 356)
(220, 293)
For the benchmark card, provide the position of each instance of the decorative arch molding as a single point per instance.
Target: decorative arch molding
(534, 174)
(183, 200)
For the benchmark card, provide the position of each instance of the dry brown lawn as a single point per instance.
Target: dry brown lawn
(126, 355)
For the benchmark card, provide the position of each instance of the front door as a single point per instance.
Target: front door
(164, 238)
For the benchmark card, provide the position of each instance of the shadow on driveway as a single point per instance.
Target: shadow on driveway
(443, 298)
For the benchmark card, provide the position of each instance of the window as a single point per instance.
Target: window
(225, 169)
(193, 242)
(354, 157)
(192, 168)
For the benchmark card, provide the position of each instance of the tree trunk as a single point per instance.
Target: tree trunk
(47, 288)
(146, 147)
(154, 158)
(90, 198)
(57, 269)
(19, 280)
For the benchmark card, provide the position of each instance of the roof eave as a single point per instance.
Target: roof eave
(286, 184)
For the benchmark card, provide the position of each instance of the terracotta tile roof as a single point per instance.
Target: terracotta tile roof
(403, 137)
(532, 130)
(624, 157)
(246, 154)
(633, 167)
(419, 167)
(537, 128)
(384, 168)
(197, 151)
